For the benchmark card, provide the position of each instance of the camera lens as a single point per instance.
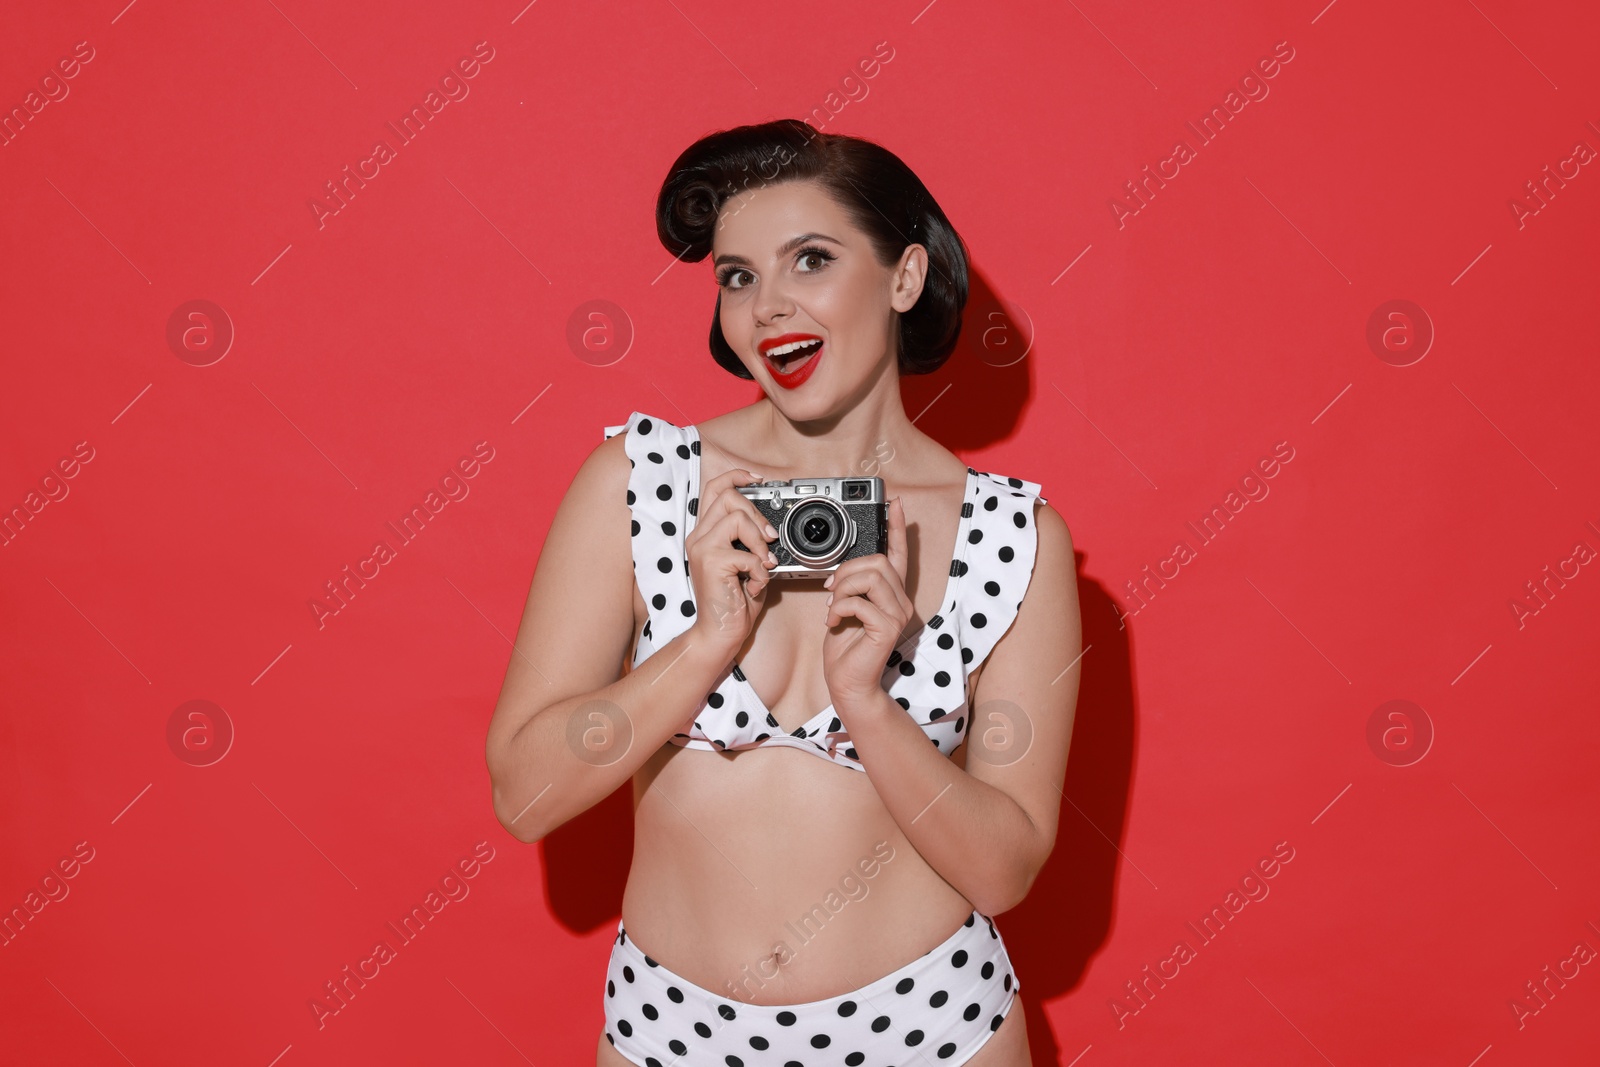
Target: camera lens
(816, 532)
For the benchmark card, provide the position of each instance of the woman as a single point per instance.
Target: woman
(808, 887)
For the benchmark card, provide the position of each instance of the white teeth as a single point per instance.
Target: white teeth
(784, 350)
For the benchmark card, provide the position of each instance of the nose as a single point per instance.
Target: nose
(771, 302)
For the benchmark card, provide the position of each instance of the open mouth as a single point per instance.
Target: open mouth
(786, 359)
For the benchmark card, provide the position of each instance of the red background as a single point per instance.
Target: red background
(1137, 370)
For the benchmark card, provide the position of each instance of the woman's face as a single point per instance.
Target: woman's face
(790, 265)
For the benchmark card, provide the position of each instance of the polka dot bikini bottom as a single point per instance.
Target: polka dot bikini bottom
(937, 1009)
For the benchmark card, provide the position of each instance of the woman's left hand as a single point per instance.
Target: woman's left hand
(870, 590)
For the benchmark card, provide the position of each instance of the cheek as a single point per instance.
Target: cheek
(854, 307)
(734, 328)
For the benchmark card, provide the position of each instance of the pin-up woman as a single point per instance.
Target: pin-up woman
(844, 768)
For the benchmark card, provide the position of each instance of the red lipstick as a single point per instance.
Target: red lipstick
(798, 372)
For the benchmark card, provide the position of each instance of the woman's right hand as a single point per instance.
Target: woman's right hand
(729, 583)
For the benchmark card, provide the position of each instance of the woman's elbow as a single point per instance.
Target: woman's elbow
(518, 820)
(515, 813)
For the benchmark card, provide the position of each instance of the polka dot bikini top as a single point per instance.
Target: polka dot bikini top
(926, 674)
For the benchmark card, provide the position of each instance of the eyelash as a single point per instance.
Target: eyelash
(727, 273)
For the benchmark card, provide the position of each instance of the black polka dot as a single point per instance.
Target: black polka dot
(678, 1047)
(674, 994)
(945, 641)
(994, 1024)
(880, 1024)
(645, 426)
(854, 1059)
(1007, 983)
(947, 1050)
(670, 529)
(636, 528)
(705, 1031)
(688, 607)
(992, 588)
(683, 451)
(733, 1061)
(821, 1041)
(664, 565)
(992, 503)
(979, 619)
(941, 679)
(938, 999)
(960, 958)
(904, 985)
(1019, 520)
(650, 1012)
(908, 668)
(1006, 554)
(625, 1028)
(848, 1008)
(740, 719)
(663, 492)
(759, 1043)
(611, 988)
(715, 699)
(988, 969)
(659, 601)
(914, 1037)
(973, 536)
(972, 1012)
(786, 1018)
(627, 973)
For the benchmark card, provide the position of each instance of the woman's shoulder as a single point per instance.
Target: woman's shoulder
(644, 424)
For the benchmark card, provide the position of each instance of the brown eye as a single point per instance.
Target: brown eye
(820, 253)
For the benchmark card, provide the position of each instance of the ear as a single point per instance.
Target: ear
(909, 276)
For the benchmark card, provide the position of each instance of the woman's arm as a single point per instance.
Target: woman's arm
(569, 728)
(989, 828)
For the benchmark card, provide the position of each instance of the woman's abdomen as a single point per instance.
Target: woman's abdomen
(775, 877)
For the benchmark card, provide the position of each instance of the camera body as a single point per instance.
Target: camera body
(821, 522)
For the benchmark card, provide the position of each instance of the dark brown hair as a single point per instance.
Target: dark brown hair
(879, 193)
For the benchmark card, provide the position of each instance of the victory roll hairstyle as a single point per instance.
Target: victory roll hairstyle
(879, 193)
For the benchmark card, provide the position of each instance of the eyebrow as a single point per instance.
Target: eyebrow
(784, 249)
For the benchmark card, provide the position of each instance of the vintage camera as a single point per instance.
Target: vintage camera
(821, 522)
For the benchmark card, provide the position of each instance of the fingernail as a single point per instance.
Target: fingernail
(829, 583)
(771, 558)
(829, 602)
(770, 531)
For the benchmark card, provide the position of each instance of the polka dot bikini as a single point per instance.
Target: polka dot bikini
(996, 541)
(938, 1009)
